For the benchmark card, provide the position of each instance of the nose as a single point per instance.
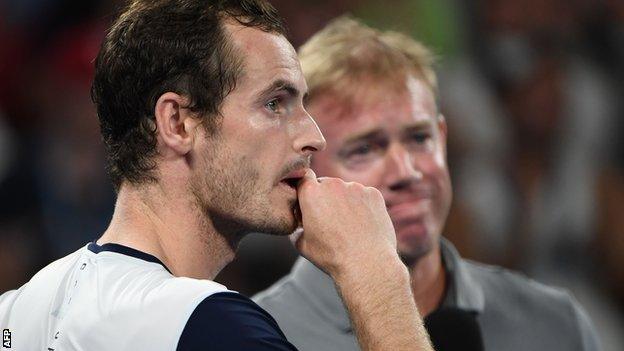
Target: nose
(400, 171)
(310, 139)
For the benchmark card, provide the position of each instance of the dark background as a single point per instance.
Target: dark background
(531, 89)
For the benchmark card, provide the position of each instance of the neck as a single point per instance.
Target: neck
(170, 227)
(428, 281)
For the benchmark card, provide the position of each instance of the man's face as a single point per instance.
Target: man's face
(265, 136)
(391, 139)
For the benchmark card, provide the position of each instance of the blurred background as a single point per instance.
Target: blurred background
(532, 91)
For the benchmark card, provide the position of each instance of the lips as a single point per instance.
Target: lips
(409, 209)
(408, 198)
(409, 218)
(406, 209)
(293, 178)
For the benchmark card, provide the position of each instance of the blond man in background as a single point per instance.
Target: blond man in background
(373, 95)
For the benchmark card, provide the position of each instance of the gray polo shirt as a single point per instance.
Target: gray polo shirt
(514, 313)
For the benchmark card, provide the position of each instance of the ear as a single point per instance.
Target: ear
(176, 124)
(443, 128)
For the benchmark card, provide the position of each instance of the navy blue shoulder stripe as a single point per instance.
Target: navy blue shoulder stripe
(230, 322)
(124, 250)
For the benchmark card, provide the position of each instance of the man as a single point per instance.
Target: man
(201, 111)
(373, 95)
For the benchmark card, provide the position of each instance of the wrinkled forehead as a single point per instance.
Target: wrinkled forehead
(405, 93)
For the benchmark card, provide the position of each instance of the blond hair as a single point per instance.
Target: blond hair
(347, 51)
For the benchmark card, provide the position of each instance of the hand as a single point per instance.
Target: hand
(347, 233)
(344, 224)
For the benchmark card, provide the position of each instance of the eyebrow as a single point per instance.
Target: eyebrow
(376, 133)
(281, 85)
(367, 135)
(419, 126)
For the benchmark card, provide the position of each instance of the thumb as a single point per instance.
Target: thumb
(309, 176)
(308, 180)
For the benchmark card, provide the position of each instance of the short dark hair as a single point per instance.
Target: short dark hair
(156, 46)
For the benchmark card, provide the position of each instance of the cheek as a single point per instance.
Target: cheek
(432, 164)
(323, 165)
(266, 150)
(326, 165)
(435, 171)
(369, 174)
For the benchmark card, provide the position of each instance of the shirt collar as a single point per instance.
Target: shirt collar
(124, 250)
(319, 289)
(464, 292)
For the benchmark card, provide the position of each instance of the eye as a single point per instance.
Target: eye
(420, 137)
(419, 140)
(361, 153)
(361, 150)
(273, 105)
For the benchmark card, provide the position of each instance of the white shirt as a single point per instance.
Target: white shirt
(107, 297)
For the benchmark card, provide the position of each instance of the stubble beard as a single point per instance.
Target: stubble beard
(414, 255)
(230, 197)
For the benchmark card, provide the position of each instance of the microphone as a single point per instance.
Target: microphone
(453, 329)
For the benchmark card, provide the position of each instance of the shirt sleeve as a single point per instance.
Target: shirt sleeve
(586, 330)
(230, 321)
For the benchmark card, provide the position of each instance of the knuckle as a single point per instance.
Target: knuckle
(356, 185)
(373, 191)
(331, 181)
(375, 194)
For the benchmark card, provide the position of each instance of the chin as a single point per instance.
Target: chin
(281, 227)
(411, 250)
(253, 218)
(279, 222)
